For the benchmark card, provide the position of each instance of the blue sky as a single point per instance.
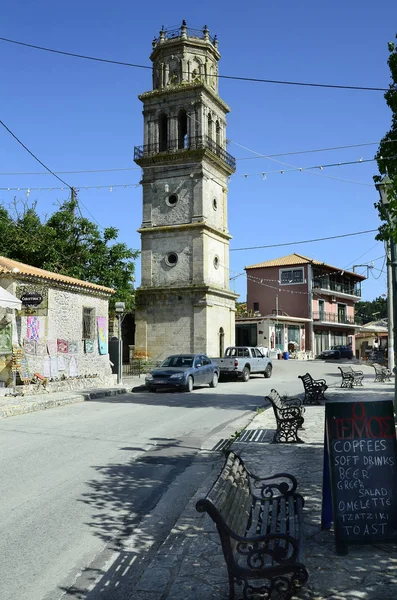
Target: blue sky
(79, 115)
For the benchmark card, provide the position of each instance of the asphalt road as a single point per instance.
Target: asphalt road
(80, 483)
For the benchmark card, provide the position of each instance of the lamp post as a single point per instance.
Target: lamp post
(384, 187)
(119, 308)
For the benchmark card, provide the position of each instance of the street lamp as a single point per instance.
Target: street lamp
(384, 186)
(119, 308)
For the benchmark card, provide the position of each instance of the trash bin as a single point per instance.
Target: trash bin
(285, 355)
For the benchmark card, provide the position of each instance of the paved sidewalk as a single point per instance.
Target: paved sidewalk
(11, 406)
(190, 563)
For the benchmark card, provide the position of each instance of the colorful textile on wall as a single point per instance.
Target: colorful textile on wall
(88, 346)
(73, 347)
(52, 347)
(6, 339)
(46, 367)
(73, 367)
(33, 328)
(61, 363)
(62, 346)
(41, 348)
(102, 335)
(29, 346)
(54, 366)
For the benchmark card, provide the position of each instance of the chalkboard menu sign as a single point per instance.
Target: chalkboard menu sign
(362, 455)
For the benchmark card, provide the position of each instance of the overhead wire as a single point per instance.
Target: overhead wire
(230, 77)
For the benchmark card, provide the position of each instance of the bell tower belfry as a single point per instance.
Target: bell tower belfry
(184, 303)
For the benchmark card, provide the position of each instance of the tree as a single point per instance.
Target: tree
(70, 244)
(371, 310)
(387, 155)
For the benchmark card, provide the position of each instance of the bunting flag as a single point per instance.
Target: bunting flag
(62, 346)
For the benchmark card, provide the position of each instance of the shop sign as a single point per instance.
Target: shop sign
(31, 299)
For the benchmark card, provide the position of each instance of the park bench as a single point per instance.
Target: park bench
(259, 522)
(289, 417)
(350, 377)
(314, 389)
(382, 373)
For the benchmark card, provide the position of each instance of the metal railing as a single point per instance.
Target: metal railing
(334, 318)
(342, 288)
(198, 142)
(171, 34)
(139, 367)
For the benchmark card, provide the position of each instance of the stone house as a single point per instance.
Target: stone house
(59, 331)
(301, 287)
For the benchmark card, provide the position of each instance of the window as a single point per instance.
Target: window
(182, 129)
(214, 204)
(216, 262)
(291, 276)
(256, 306)
(172, 200)
(88, 323)
(171, 259)
(321, 311)
(163, 132)
(279, 335)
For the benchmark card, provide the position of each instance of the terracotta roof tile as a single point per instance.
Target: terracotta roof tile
(9, 266)
(298, 259)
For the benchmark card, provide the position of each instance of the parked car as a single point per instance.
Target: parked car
(242, 361)
(183, 371)
(337, 352)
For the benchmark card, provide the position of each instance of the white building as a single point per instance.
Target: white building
(58, 323)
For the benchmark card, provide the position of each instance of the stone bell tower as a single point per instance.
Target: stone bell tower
(184, 303)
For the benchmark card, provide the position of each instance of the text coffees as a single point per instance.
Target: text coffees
(361, 440)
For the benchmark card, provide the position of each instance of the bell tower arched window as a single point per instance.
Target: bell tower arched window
(209, 129)
(182, 129)
(163, 132)
(218, 133)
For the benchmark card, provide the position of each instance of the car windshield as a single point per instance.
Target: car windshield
(178, 361)
(336, 347)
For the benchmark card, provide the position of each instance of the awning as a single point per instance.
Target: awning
(7, 300)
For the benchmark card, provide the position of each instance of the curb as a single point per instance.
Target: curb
(29, 404)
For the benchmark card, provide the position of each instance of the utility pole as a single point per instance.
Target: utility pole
(384, 188)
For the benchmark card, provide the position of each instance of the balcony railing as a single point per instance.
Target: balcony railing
(199, 142)
(338, 288)
(334, 318)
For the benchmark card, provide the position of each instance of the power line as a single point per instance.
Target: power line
(311, 151)
(231, 77)
(333, 237)
(34, 156)
(237, 159)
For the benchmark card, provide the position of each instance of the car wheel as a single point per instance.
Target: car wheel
(214, 380)
(245, 375)
(152, 389)
(189, 385)
(268, 371)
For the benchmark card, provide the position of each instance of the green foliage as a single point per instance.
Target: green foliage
(387, 155)
(70, 244)
(371, 311)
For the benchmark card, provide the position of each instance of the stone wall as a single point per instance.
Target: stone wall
(63, 320)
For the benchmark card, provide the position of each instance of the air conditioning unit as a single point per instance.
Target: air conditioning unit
(333, 298)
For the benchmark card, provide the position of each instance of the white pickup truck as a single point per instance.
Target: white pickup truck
(241, 361)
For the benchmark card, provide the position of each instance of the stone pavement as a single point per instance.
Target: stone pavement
(190, 565)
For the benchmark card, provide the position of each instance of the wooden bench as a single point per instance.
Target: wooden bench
(289, 419)
(314, 389)
(382, 373)
(350, 377)
(259, 521)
